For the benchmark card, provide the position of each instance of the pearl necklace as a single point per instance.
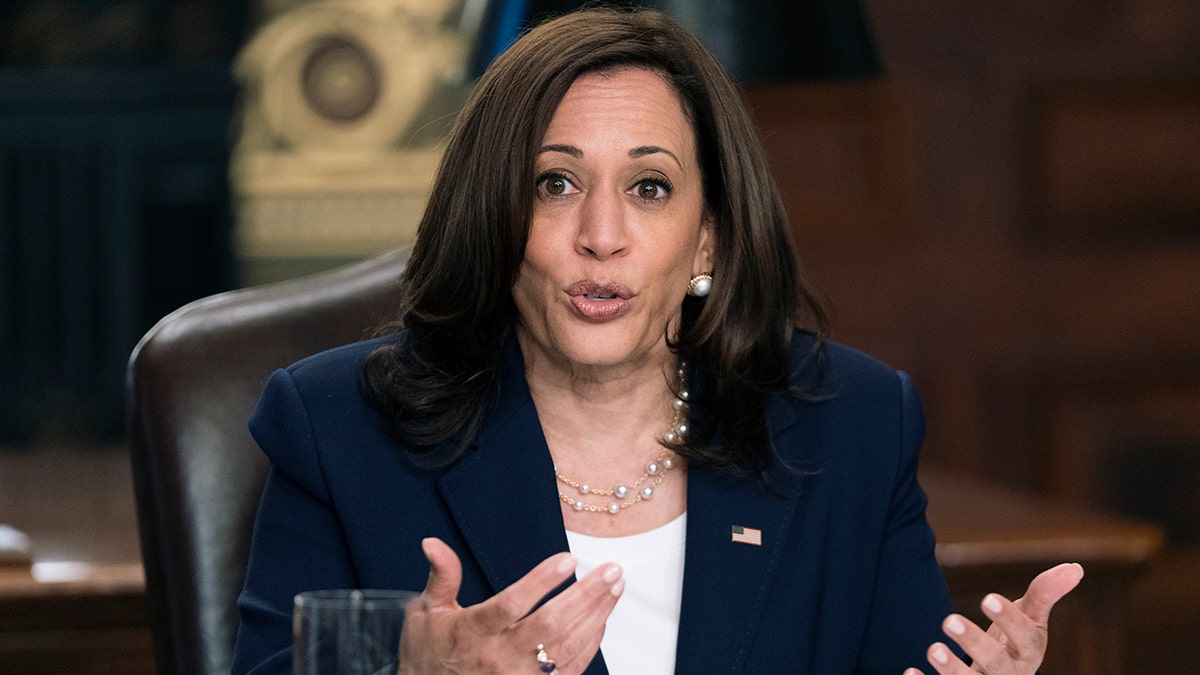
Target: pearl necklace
(624, 495)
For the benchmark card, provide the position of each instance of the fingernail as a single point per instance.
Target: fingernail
(955, 625)
(992, 603)
(566, 564)
(611, 573)
(618, 587)
(940, 655)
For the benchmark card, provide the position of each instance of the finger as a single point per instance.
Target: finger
(579, 646)
(983, 648)
(584, 656)
(1048, 588)
(944, 660)
(589, 599)
(575, 625)
(512, 604)
(445, 575)
(1024, 638)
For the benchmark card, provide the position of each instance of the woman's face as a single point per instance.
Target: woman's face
(618, 228)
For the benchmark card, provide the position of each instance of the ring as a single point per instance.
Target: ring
(545, 663)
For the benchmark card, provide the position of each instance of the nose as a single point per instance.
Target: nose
(602, 232)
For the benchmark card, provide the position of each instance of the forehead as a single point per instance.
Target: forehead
(622, 105)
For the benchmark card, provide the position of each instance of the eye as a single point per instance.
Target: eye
(652, 189)
(555, 185)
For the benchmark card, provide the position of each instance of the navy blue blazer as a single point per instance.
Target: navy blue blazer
(845, 580)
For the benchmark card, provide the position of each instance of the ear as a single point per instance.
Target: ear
(707, 246)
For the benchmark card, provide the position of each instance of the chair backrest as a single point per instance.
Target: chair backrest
(193, 381)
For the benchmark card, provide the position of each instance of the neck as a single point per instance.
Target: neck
(603, 427)
(594, 418)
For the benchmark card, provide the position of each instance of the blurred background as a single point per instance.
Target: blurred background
(1001, 198)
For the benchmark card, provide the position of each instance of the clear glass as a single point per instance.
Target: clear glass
(348, 632)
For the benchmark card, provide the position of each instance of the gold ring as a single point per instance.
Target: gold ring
(545, 663)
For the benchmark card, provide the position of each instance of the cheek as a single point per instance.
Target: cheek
(540, 247)
(535, 265)
(524, 291)
(685, 253)
(533, 287)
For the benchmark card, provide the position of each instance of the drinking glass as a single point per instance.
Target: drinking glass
(348, 631)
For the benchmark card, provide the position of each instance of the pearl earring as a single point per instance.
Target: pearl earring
(700, 285)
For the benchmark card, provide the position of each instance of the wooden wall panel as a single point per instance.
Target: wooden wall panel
(844, 153)
(1119, 159)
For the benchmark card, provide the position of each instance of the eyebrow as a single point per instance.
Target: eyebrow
(565, 149)
(653, 149)
(640, 151)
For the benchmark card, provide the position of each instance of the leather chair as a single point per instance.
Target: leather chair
(193, 382)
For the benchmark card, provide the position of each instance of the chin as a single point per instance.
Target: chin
(599, 350)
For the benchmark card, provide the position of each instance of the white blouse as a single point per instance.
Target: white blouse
(640, 636)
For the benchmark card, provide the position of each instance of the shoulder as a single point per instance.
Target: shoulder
(847, 405)
(314, 398)
(337, 364)
(332, 375)
(331, 378)
(825, 368)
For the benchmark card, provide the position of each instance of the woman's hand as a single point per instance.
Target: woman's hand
(1016, 641)
(500, 635)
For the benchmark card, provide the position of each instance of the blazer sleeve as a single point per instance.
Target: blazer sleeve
(911, 597)
(298, 543)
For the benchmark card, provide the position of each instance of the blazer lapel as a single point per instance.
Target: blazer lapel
(508, 518)
(725, 582)
(503, 495)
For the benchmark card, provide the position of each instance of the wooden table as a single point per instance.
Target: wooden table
(992, 539)
(81, 609)
(75, 618)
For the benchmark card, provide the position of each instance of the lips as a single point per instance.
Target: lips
(599, 301)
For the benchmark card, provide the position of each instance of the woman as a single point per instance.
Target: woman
(597, 353)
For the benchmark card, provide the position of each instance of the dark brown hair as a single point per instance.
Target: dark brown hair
(458, 318)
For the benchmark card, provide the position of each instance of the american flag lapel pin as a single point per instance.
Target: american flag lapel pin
(747, 535)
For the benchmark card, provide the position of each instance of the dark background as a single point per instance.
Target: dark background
(116, 123)
(114, 200)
